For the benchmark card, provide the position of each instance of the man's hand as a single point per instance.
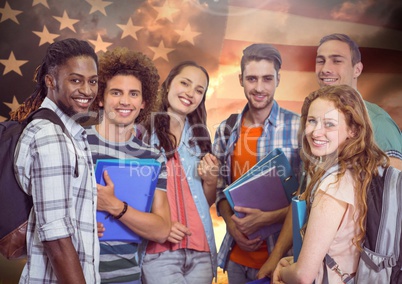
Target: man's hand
(242, 241)
(107, 201)
(250, 223)
(267, 269)
(101, 229)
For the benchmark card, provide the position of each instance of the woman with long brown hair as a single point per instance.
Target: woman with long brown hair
(336, 131)
(179, 129)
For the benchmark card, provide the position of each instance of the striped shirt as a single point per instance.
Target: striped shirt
(119, 261)
(280, 131)
(63, 205)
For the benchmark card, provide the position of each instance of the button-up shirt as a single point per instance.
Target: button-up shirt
(280, 131)
(63, 205)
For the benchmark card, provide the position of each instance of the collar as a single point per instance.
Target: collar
(187, 133)
(272, 118)
(71, 125)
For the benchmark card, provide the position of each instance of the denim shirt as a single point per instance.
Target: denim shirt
(190, 157)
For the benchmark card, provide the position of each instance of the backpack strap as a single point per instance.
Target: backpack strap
(328, 260)
(230, 123)
(331, 263)
(45, 113)
(330, 171)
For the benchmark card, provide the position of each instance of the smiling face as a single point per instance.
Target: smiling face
(259, 80)
(326, 128)
(122, 100)
(334, 65)
(186, 91)
(74, 86)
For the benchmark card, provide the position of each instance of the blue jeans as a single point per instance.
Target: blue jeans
(179, 266)
(239, 274)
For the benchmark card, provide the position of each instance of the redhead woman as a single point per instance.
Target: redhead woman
(336, 131)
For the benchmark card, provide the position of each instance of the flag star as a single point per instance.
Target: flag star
(187, 34)
(8, 13)
(129, 29)
(98, 5)
(45, 36)
(43, 2)
(161, 51)
(165, 12)
(66, 22)
(14, 105)
(100, 45)
(12, 64)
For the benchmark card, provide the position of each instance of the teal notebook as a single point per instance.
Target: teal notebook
(134, 182)
(299, 209)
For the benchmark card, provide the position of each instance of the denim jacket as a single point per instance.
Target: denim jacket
(190, 157)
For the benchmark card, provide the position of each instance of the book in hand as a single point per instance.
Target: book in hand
(134, 182)
(267, 186)
(299, 209)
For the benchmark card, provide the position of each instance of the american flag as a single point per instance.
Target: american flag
(213, 33)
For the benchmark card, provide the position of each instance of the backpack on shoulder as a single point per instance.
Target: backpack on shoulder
(381, 258)
(15, 204)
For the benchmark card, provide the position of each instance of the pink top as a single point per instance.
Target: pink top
(342, 250)
(183, 210)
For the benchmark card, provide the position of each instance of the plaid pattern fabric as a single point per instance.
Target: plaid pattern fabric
(64, 205)
(280, 131)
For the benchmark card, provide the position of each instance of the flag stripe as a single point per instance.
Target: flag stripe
(370, 12)
(302, 58)
(275, 27)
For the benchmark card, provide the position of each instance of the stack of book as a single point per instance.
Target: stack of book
(269, 185)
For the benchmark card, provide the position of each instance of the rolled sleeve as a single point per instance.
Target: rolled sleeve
(56, 229)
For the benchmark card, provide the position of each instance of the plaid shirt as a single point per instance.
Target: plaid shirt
(280, 131)
(63, 205)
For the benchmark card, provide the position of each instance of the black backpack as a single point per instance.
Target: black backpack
(15, 204)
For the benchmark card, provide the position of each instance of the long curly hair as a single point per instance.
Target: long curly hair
(57, 55)
(359, 154)
(122, 61)
(197, 119)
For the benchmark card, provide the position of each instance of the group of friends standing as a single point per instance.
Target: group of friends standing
(136, 118)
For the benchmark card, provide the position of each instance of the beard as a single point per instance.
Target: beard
(260, 105)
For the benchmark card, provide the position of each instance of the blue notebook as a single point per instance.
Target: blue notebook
(134, 182)
(268, 186)
(264, 280)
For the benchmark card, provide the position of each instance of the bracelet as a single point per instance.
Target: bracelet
(122, 212)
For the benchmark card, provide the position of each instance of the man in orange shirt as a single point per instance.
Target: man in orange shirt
(260, 128)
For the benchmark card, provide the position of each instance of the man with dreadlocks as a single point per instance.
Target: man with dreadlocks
(62, 244)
